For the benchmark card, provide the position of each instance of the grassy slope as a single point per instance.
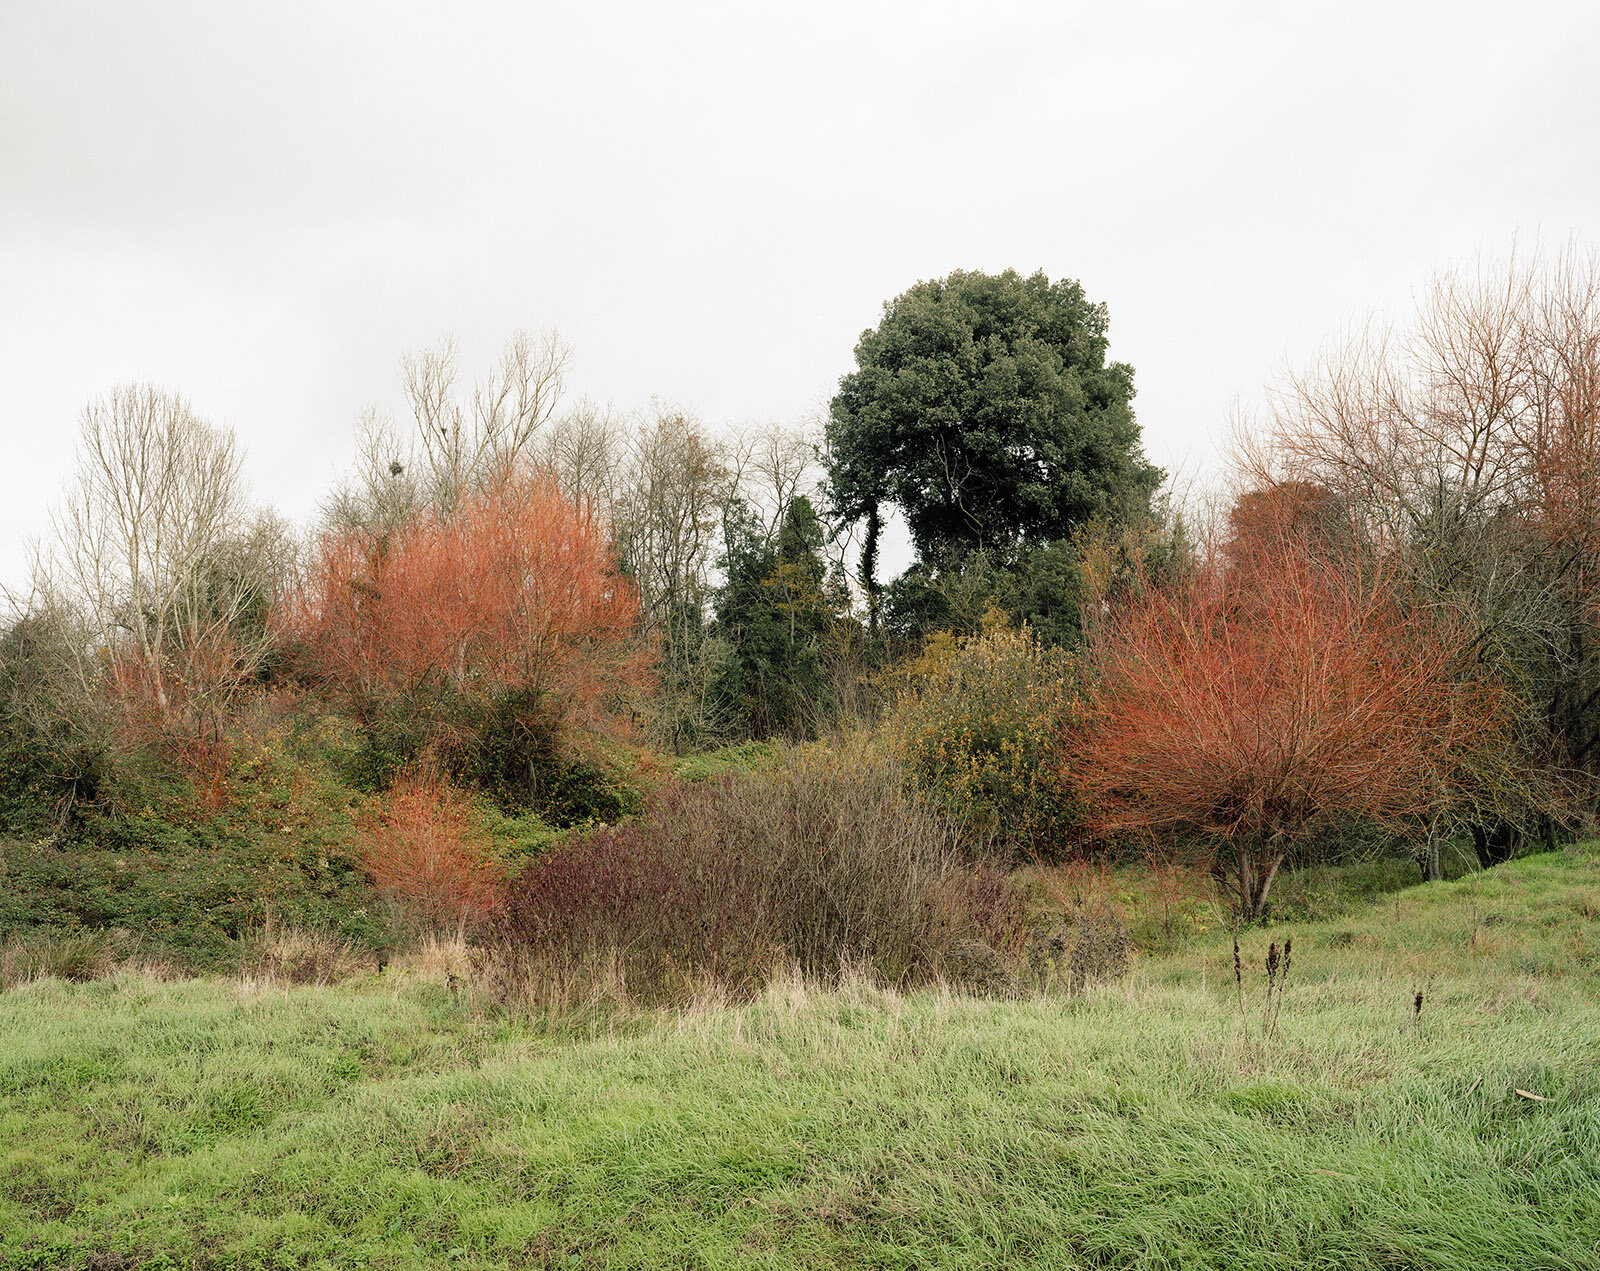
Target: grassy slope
(381, 1124)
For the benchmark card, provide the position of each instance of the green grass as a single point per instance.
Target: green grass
(387, 1123)
(738, 757)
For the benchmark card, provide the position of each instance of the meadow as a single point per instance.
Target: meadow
(1427, 1096)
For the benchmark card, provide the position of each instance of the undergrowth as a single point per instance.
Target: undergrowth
(825, 861)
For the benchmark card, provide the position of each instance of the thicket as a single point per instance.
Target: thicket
(55, 738)
(1466, 442)
(1272, 693)
(487, 647)
(472, 638)
(978, 726)
(825, 862)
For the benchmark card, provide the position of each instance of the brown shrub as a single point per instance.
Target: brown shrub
(824, 862)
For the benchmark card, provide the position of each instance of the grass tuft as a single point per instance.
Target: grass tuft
(77, 958)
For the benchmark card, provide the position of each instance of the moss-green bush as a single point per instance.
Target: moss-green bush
(165, 874)
(512, 747)
(978, 727)
(54, 735)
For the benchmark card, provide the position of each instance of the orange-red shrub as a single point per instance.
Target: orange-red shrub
(513, 589)
(423, 854)
(1271, 694)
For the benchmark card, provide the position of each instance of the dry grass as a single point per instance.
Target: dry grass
(1083, 938)
(76, 957)
(281, 954)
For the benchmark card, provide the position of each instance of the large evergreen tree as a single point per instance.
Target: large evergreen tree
(983, 406)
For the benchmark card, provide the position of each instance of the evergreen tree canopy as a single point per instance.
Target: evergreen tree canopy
(775, 612)
(983, 406)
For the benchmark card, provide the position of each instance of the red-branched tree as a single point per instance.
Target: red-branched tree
(513, 590)
(1467, 439)
(1268, 696)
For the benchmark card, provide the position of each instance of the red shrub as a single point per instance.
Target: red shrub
(826, 861)
(1270, 695)
(424, 856)
(515, 588)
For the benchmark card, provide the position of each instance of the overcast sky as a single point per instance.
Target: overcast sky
(263, 206)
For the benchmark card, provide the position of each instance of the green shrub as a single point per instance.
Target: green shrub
(582, 794)
(978, 728)
(166, 876)
(515, 838)
(389, 740)
(510, 746)
(54, 734)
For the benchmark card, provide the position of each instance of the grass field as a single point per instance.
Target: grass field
(388, 1122)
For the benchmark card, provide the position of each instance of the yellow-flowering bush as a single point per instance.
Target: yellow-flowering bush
(979, 726)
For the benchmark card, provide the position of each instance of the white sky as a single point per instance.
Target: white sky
(263, 206)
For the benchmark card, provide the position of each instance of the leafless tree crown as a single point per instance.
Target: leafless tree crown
(467, 437)
(156, 543)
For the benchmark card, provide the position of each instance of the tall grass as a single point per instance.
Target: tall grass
(297, 955)
(85, 956)
(229, 1124)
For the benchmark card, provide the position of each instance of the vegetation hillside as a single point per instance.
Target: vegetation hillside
(567, 850)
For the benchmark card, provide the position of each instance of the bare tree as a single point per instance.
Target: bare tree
(584, 450)
(172, 575)
(383, 491)
(778, 463)
(1467, 444)
(466, 439)
(156, 491)
(669, 517)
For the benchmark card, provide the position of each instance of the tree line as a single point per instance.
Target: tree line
(1386, 627)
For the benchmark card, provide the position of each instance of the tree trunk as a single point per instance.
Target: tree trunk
(1496, 844)
(1264, 886)
(869, 567)
(1246, 891)
(1257, 869)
